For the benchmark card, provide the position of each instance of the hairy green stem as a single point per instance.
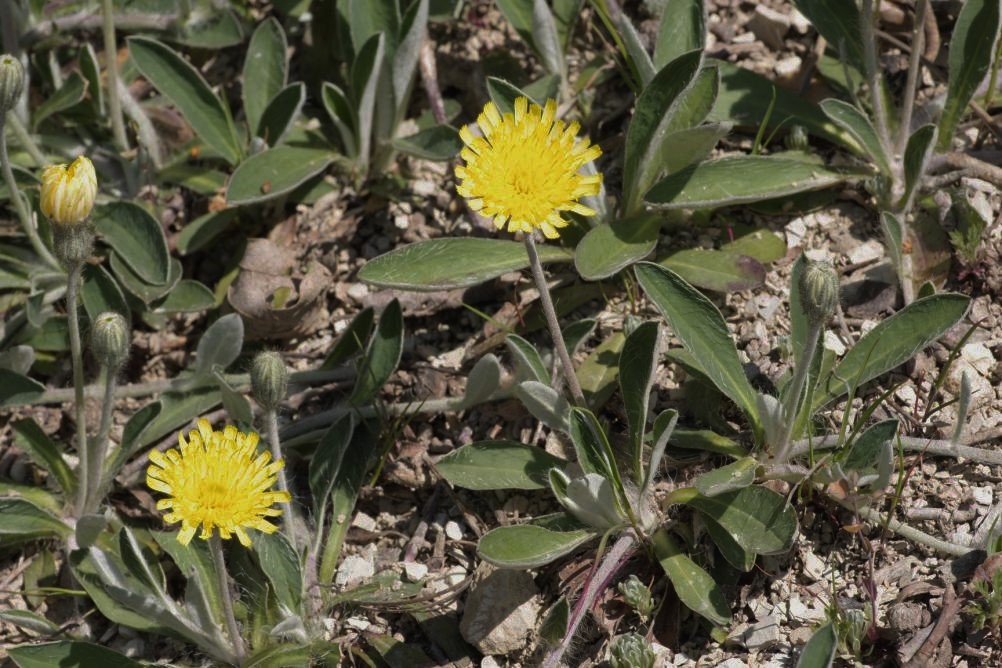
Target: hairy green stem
(98, 459)
(22, 209)
(111, 64)
(147, 134)
(792, 407)
(76, 357)
(867, 30)
(546, 302)
(275, 444)
(216, 550)
(938, 448)
(914, 63)
(25, 140)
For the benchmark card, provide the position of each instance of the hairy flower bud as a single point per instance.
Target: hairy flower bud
(819, 291)
(269, 380)
(68, 191)
(11, 82)
(796, 138)
(637, 596)
(72, 244)
(110, 339)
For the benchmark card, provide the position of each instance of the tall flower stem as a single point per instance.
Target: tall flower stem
(867, 20)
(275, 443)
(551, 321)
(216, 550)
(797, 388)
(111, 63)
(97, 462)
(76, 357)
(911, 85)
(25, 140)
(22, 209)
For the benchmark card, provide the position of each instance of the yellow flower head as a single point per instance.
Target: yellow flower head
(523, 171)
(68, 192)
(216, 479)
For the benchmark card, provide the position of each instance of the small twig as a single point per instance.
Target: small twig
(429, 79)
(910, 533)
(974, 167)
(27, 223)
(88, 20)
(24, 139)
(867, 28)
(910, 444)
(147, 134)
(951, 608)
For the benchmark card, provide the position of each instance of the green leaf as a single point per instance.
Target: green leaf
(69, 653)
(865, 450)
(682, 29)
(554, 626)
(970, 57)
(202, 590)
(757, 518)
(527, 359)
(762, 245)
(365, 72)
(719, 270)
(819, 652)
(652, 120)
(200, 232)
(698, 324)
(686, 147)
(215, 28)
(545, 38)
(636, 51)
(178, 409)
(498, 465)
(504, 93)
(591, 444)
(131, 435)
(265, 69)
(24, 520)
(91, 71)
(71, 93)
(383, 355)
(734, 554)
(406, 54)
(606, 249)
(706, 441)
(16, 389)
(135, 285)
(369, 17)
(893, 341)
(853, 121)
(186, 296)
(637, 364)
(917, 154)
(281, 113)
(220, 345)
(734, 476)
(839, 23)
(694, 586)
(39, 447)
(342, 114)
(745, 97)
(599, 371)
(100, 293)
(450, 263)
(275, 172)
(137, 238)
(184, 86)
(741, 179)
(327, 459)
(439, 142)
(528, 545)
(280, 563)
(352, 339)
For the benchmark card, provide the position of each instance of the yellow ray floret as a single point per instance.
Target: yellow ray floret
(523, 170)
(68, 191)
(217, 479)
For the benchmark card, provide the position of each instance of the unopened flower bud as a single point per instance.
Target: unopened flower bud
(796, 138)
(110, 339)
(637, 596)
(819, 291)
(73, 244)
(631, 651)
(11, 82)
(68, 191)
(269, 380)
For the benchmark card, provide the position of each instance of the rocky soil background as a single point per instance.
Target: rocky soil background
(413, 523)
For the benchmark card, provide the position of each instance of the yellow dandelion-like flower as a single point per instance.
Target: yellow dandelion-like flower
(68, 191)
(217, 479)
(523, 171)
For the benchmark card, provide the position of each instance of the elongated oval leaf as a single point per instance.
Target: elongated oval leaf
(383, 355)
(819, 652)
(39, 447)
(742, 179)
(970, 57)
(265, 69)
(69, 653)
(892, 342)
(220, 345)
(719, 270)
(527, 359)
(137, 238)
(184, 86)
(275, 172)
(852, 120)
(281, 113)
(23, 520)
(450, 263)
(917, 154)
(637, 364)
(16, 388)
(839, 23)
(607, 249)
(733, 476)
(694, 586)
(698, 324)
(100, 293)
(757, 518)
(864, 452)
(529, 546)
(682, 29)
(498, 465)
(439, 142)
(72, 92)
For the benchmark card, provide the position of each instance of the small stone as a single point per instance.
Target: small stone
(415, 571)
(761, 635)
(358, 291)
(799, 22)
(358, 623)
(833, 343)
(453, 530)
(490, 662)
(363, 522)
(983, 496)
(868, 251)
(769, 26)
(814, 568)
(733, 663)
(796, 230)
(354, 570)
(501, 613)
(401, 222)
(788, 67)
